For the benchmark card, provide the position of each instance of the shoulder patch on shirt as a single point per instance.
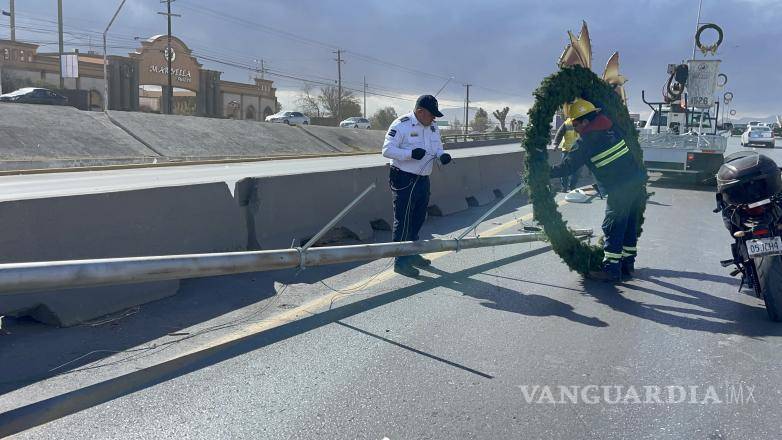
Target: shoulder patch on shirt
(405, 118)
(392, 132)
(432, 127)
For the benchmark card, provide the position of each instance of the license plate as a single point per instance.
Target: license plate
(762, 247)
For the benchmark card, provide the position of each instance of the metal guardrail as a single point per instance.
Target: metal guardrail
(511, 135)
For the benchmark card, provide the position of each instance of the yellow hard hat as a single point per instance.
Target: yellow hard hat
(579, 107)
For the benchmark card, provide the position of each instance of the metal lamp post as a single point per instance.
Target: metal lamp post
(106, 62)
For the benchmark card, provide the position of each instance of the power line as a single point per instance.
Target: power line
(305, 40)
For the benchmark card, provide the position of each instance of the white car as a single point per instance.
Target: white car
(290, 118)
(758, 135)
(356, 122)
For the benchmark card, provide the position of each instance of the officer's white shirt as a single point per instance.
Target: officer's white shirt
(406, 134)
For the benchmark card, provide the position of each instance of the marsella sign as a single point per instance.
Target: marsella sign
(153, 63)
(179, 74)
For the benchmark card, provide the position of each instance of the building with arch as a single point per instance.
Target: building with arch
(138, 81)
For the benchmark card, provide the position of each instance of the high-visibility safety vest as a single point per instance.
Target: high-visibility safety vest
(570, 137)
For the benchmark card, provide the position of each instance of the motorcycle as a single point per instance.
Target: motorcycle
(749, 197)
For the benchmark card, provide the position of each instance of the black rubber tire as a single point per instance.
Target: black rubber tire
(305, 123)
(770, 277)
(287, 122)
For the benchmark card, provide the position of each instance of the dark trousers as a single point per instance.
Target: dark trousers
(620, 225)
(569, 182)
(411, 200)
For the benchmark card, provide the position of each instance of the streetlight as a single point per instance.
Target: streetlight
(106, 62)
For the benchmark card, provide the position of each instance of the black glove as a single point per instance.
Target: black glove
(445, 159)
(418, 153)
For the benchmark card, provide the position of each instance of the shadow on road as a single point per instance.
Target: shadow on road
(501, 298)
(724, 316)
(33, 352)
(56, 407)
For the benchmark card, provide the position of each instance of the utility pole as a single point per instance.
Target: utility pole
(106, 61)
(339, 84)
(59, 30)
(13, 21)
(467, 110)
(365, 97)
(697, 25)
(169, 55)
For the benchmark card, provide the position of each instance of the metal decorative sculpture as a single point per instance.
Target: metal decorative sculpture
(579, 53)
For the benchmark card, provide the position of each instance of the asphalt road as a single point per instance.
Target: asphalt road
(734, 144)
(470, 350)
(32, 186)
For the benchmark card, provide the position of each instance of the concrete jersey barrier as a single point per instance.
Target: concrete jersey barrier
(156, 221)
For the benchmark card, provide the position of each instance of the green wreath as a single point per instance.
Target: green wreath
(557, 89)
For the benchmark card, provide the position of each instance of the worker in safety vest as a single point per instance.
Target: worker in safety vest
(603, 150)
(564, 139)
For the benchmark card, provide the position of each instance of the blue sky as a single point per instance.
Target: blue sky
(504, 48)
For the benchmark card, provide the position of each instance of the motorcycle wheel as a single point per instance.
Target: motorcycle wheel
(770, 277)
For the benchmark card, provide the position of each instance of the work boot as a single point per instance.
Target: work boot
(419, 261)
(628, 267)
(610, 273)
(404, 267)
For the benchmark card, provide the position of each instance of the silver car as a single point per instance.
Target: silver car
(758, 135)
(355, 122)
(290, 118)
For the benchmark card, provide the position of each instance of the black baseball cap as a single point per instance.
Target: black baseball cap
(429, 102)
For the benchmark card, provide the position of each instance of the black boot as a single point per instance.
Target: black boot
(419, 261)
(628, 268)
(610, 273)
(402, 266)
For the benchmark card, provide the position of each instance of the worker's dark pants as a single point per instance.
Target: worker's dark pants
(569, 182)
(620, 225)
(411, 199)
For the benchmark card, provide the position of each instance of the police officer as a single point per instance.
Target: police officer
(412, 144)
(602, 148)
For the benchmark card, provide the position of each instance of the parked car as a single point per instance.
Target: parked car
(290, 118)
(758, 135)
(356, 122)
(34, 95)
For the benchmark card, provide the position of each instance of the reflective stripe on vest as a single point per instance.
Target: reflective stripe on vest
(610, 155)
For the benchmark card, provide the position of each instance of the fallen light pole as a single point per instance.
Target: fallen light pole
(56, 275)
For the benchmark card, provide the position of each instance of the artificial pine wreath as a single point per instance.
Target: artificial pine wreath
(560, 88)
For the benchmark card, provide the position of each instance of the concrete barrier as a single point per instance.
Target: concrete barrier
(286, 210)
(453, 184)
(156, 221)
(484, 143)
(289, 209)
(501, 173)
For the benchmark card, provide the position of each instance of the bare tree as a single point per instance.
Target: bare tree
(329, 97)
(308, 103)
(501, 115)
